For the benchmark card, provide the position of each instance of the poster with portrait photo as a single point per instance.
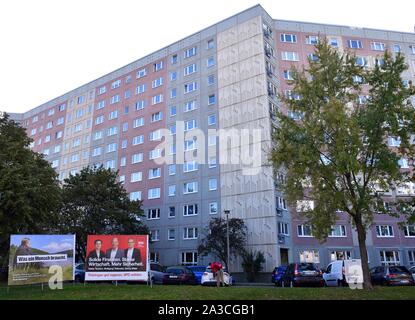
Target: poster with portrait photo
(117, 257)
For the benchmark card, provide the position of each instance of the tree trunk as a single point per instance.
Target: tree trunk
(361, 234)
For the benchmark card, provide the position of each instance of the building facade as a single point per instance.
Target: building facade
(216, 94)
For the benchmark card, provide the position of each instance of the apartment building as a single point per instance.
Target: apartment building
(224, 79)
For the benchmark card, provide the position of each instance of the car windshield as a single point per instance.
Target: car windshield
(398, 270)
(174, 270)
(306, 267)
(282, 268)
(198, 269)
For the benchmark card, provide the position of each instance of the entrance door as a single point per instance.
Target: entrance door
(284, 256)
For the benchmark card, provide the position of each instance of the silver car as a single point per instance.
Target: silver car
(157, 272)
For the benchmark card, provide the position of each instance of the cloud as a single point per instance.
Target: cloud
(57, 247)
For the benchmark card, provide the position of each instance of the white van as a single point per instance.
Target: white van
(343, 272)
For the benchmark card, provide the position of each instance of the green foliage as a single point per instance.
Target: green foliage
(252, 263)
(339, 146)
(29, 188)
(94, 202)
(215, 239)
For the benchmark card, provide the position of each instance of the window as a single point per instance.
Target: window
(378, 46)
(97, 135)
(153, 214)
(136, 176)
(115, 84)
(190, 145)
(210, 62)
(154, 256)
(154, 173)
(153, 193)
(55, 163)
(312, 40)
(212, 162)
(384, 231)
(355, 44)
(190, 187)
(157, 99)
(173, 93)
(304, 230)
(174, 59)
(190, 87)
(76, 142)
(409, 231)
(140, 89)
(312, 57)
(403, 163)
(211, 99)
(190, 52)
(102, 90)
(210, 44)
(122, 181)
(189, 106)
(334, 42)
(99, 120)
(60, 121)
(411, 256)
(62, 107)
(59, 134)
(49, 125)
(156, 153)
(172, 190)
(134, 196)
(213, 184)
(412, 49)
(123, 161)
(172, 111)
(290, 56)
(211, 80)
(158, 66)
(190, 233)
(190, 69)
(189, 166)
(340, 255)
(158, 116)
(283, 228)
(155, 235)
(172, 169)
(361, 61)
(112, 131)
(57, 149)
(213, 208)
(171, 234)
(397, 48)
(173, 76)
(139, 105)
(81, 99)
(189, 258)
(139, 122)
(190, 210)
(211, 119)
(212, 140)
(190, 124)
(157, 83)
(338, 231)
(390, 258)
(394, 141)
(141, 73)
(51, 112)
(172, 212)
(288, 75)
(155, 135)
(138, 140)
(110, 164)
(137, 158)
(113, 115)
(75, 157)
(115, 99)
(309, 256)
(101, 104)
(281, 203)
(128, 79)
(78, 127)
(288, 38)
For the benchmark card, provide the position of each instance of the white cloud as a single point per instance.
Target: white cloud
(57, 247)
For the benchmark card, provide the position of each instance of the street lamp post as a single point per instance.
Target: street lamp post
(227, 212)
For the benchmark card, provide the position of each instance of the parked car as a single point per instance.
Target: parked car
(157, 272)
(277, 275)
(391, 275)
(412, 271)
(198, 271)
(179, 275)
(209, 280)
(302, 274)
(80, 272)
(342, 272)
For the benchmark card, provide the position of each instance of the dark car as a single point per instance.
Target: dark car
(179, 275)
(391, 275)
(198, 271)
(277, 274)
(80, 272)
(302, 274)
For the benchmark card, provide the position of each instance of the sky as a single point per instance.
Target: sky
(48, 243)
(49, 47)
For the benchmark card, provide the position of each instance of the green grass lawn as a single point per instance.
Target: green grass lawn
(141, 292)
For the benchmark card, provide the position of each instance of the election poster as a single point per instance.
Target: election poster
(117, 257)
(36, 258)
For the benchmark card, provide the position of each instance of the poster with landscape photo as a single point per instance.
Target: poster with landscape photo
(32, 256)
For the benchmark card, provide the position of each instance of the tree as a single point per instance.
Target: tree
(336, 153)
(29, 188)
(252, 263)
(215, 239)
(93, 202)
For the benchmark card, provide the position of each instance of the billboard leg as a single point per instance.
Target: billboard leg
(42, 286)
